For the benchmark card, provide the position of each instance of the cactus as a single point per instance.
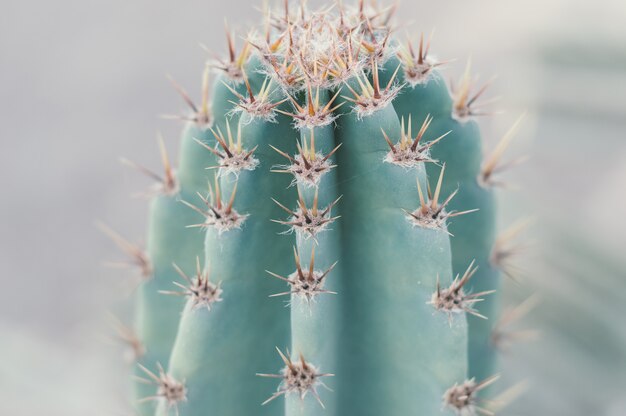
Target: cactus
(469, 177)
(301, 179)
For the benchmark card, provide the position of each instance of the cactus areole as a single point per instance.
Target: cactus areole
(325, 245)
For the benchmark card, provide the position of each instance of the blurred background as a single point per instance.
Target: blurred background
(82, 82)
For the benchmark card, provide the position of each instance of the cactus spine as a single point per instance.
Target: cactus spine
(321, 188)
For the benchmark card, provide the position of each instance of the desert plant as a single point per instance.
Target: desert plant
(303, 173)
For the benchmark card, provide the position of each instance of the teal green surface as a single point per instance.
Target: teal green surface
(473, 234)
(397, 356)
(218, 352)
(316, 325)
(157, 315)
(171, 241)
(390, 351)
(194, 159)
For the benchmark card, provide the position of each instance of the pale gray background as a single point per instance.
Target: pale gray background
(82, 83)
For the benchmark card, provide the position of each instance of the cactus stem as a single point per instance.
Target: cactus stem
(300, 377)
(201, 291)
(431, 214)
(306, 283)
(308, 221)
(168, 388)
(407, 152)
(219, 215)
(454, 299)
(493, 165)
(462, 398)
(138, 257)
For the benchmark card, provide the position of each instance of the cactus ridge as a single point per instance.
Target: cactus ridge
(304, 146)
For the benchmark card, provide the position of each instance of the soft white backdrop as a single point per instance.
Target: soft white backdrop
(83, 81)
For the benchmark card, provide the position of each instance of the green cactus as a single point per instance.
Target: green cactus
(317, 190)
(425, 97)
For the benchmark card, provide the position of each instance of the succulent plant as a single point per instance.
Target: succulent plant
(329, 166)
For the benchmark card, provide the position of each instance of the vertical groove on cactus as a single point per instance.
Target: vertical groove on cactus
(331, 228)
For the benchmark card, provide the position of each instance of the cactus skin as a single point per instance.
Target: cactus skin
(390, 271)
(315, 327)
(218, 352)
(481, 225)
(156, 317)
(378, 342)
(170, 241)
(473, 235)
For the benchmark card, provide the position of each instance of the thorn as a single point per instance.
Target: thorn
(184, 95)
(201, 117)
(492, 162)
(200, 290)
(223, 217)
(464, 101)
(167, 184)
(454, 299)
(504, 248)
(502, 335)
(137, 255)
(127, 336)
(169, 389)
(435, 199)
